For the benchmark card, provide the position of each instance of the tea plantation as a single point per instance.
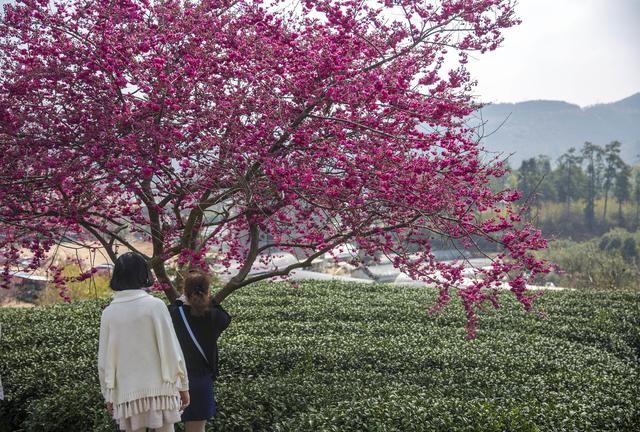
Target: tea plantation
(339, 357)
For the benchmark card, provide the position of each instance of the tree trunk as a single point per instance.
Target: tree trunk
(620, 217)
(604, 213)
(161, 273)
(225, 291)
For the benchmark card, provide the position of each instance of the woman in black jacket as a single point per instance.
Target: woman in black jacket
(196, 316)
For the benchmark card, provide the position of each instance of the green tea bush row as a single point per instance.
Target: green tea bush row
(336, 357)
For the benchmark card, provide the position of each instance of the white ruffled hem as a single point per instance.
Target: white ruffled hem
(165, 389)
(149, 412)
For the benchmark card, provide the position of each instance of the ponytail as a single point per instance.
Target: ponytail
(196, 289)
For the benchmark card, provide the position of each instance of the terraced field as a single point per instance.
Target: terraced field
(350, 357)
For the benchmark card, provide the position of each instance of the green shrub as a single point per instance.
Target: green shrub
(333, 357)
(608, 262)
(629, 250)
(615, 240)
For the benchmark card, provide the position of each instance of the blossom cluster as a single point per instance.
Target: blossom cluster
(236, 128)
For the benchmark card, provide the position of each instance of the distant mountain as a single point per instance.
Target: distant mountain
(528, 129)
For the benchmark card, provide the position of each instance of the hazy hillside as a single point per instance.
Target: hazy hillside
(552, 127)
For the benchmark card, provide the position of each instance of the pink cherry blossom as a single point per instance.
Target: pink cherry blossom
(236, 128)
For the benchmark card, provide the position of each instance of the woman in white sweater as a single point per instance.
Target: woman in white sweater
(141, 367)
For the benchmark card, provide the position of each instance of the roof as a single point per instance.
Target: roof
(23, 275)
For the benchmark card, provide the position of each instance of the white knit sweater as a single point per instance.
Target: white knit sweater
(139, 355)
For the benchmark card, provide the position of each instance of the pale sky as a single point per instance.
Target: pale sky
(580, 51)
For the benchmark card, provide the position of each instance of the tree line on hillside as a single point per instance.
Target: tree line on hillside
(584, 193)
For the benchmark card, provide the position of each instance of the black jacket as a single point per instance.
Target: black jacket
(207, 330)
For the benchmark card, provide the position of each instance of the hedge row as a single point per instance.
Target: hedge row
(335, 357)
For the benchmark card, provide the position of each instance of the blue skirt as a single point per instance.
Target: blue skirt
(203, 403)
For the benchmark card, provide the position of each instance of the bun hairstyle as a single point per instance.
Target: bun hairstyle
(196, 289)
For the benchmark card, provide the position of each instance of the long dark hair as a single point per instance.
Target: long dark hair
(131, 271)
(196, 289)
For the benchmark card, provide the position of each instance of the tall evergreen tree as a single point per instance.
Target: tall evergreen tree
(622, 190)
(592, 155)
(569, 178)
(533, 179)
(613, 165)
(636, 195)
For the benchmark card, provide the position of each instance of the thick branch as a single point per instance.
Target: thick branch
(231, 287)
(238, 282)
(251, 256)
(105, 244)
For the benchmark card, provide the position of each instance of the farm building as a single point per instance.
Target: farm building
(23, 286)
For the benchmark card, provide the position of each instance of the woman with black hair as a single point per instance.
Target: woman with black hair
(198, 322)
(141, 367)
